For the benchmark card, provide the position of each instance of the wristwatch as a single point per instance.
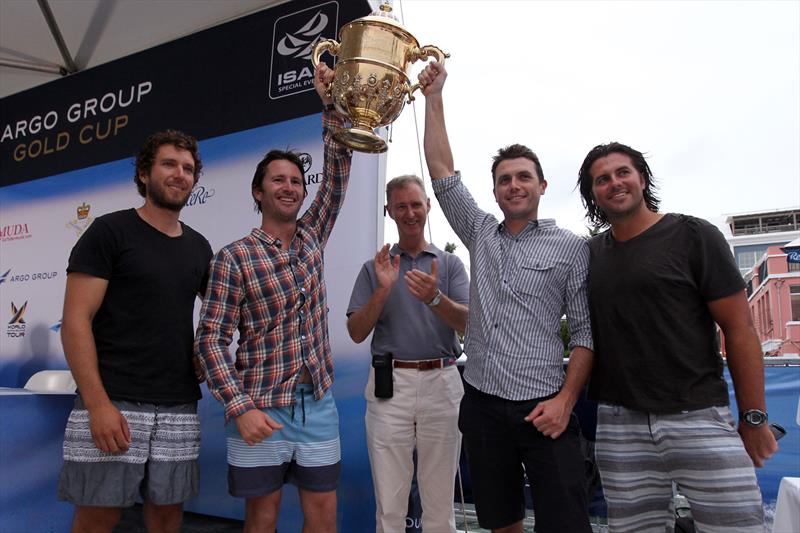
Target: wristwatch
(436, 299)
(754, 417)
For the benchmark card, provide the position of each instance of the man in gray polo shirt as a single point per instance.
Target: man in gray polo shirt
(526, 274)
(415, 298)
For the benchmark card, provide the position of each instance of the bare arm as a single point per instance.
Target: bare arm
(83, 297)
(746, 364)
(361, 322)
(437, 146)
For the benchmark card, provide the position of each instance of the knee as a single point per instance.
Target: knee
(261, 515)
(163, 518)
(95, 519)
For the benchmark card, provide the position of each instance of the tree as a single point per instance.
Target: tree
(450, 247)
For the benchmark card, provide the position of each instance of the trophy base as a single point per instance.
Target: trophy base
(360, 140)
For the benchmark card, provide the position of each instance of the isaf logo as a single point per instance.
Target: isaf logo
(16, 326)
(294, 37)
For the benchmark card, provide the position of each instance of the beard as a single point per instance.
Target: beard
(158, 195)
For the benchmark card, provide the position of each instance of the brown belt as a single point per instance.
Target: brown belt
(427, 364)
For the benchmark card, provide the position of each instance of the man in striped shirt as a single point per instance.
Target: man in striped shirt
(270, 287)
(516, 415)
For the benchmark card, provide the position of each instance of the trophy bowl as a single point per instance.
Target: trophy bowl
(371, 83)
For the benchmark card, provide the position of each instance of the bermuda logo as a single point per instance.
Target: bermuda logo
(16, 326)
(14, 232)
(5, 276)
(82, 221)
(294, 37)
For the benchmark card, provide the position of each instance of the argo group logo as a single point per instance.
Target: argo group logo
(10, 277)
(16, 326)
(294, 38)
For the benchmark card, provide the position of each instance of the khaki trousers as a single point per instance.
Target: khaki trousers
(423, 413)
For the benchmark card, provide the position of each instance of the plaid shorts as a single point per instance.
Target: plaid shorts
(160, 464)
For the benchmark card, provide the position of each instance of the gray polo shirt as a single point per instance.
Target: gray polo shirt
(407, 327)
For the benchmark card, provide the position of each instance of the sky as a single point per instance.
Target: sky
(709, 91)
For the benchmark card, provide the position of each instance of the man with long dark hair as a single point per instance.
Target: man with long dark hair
(657, 285)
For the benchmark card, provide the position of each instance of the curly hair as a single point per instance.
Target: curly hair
(585, 180)
(147, 154)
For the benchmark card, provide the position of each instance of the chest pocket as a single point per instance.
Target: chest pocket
(538, 279)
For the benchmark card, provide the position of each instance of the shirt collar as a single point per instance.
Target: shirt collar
(268, 238)
(396, 250)
(532, 225)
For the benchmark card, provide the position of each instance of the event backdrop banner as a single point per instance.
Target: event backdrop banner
(241, 88)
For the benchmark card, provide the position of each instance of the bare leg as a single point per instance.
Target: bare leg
(162, 518)
(95, 519)
(319, 511)
(261, 513)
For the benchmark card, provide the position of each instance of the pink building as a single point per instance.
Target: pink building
(773, 291)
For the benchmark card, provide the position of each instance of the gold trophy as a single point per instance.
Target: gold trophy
(371, 80)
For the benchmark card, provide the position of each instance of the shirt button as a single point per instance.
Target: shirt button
(302, 289)
(302, 337)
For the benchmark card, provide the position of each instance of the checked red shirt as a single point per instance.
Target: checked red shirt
(276, 298)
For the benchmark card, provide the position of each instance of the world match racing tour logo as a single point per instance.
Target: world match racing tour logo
(293, 40)
(16, 326)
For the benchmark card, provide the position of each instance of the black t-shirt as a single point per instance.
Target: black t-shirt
(143, 330)
(655, 341)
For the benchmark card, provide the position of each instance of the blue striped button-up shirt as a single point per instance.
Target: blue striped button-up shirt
(521, 285)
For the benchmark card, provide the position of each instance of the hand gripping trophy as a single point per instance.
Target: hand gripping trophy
(371, 80)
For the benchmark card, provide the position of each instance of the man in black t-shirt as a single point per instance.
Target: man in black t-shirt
(127, 333)
(657, 284)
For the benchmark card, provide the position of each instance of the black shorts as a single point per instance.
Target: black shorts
(502, 447)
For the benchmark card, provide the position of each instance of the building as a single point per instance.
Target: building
(750, 234)
(757, 240)
(773, 292)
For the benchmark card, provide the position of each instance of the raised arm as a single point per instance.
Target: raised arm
(437, 146)
(746, 364)
(321, 214)
(83, 297)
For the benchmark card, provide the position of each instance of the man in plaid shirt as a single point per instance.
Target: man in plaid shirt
(270, 286)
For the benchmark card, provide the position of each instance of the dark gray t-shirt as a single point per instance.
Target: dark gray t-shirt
(407, 328)
(655, 342)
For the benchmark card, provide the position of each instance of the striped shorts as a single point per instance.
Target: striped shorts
(305, 452)
(641, 454)
(160, 464)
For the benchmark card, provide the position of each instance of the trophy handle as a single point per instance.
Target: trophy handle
(419, 53)
(325, 45)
